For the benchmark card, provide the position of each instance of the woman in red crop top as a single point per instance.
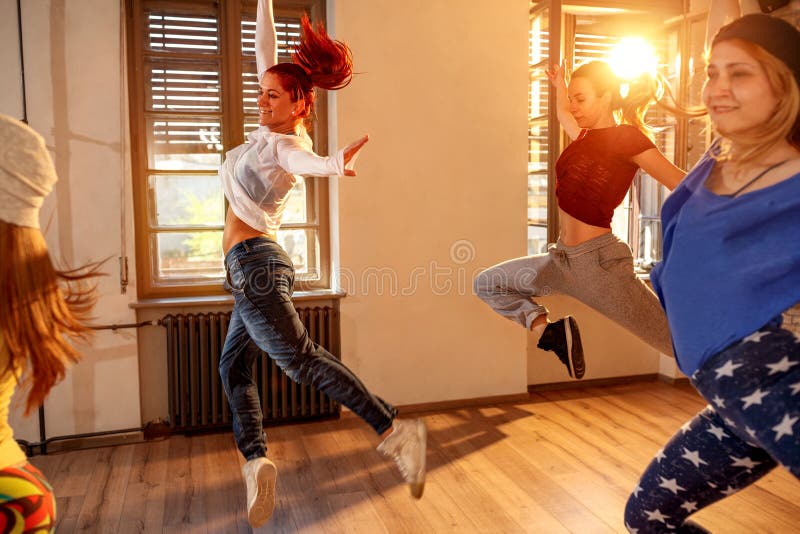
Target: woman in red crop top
(593, 176)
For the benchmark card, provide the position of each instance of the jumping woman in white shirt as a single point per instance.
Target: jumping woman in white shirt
(257, 178)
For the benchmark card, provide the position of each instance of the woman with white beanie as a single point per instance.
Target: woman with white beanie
(41, 310)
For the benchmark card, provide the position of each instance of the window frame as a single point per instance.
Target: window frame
(231, 115)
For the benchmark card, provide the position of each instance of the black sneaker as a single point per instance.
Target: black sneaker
(564, 338)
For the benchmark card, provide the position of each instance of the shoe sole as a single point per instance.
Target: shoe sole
(264, 503)
(574, 348)
(418, 487)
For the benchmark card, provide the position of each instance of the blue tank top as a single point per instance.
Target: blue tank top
(730, 265)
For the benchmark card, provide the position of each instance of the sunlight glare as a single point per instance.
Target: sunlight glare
(632, 57)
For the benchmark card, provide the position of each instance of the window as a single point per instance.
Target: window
(193, 89)
(589, 31)
(538, 132)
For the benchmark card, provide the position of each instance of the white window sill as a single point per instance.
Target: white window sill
(227, 300)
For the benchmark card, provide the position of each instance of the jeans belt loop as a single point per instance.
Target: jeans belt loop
(244, 244)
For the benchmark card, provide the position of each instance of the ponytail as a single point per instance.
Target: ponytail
(318, 61)
(328, 63)
(635, 98)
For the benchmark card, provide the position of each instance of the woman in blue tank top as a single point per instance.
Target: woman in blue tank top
(730, 282)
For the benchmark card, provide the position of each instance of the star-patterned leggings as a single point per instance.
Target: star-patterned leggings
(749, 427)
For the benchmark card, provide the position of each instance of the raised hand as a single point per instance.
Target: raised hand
(350, 153)
(556, 75)
(266, 43)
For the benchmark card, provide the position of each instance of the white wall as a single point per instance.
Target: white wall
(441, 193)
(444, 95)
(72, 74)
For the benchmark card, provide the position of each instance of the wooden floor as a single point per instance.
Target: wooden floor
(563, 462)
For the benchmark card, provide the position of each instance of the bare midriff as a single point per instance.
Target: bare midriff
(574, 232)
(237, 231)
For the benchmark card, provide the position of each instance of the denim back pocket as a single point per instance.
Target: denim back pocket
(269, 282)
(234, 276)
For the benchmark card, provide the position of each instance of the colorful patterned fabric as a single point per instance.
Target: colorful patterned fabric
(27, 503)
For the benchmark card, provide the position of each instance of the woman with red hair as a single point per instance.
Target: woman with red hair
(257, 178)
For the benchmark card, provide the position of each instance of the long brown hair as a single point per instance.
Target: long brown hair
(42, 309)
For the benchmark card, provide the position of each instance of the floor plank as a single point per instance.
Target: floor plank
(106, 490)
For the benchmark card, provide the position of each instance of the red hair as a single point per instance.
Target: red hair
(319, 61)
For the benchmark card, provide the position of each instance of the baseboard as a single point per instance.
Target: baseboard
(408, 409)
(679, 381)
(462, 403)
(593, 383)
(613, 381)
(90, 442)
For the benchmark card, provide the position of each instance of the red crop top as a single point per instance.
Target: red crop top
(594, 172)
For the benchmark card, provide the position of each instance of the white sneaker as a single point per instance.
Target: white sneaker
(406, 445)
(260, 475)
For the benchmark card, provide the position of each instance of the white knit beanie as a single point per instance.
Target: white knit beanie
(27, 174)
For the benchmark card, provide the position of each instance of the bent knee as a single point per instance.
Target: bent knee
(483, 285)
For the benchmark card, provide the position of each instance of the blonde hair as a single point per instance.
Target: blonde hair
(42, 309)
(783, 124)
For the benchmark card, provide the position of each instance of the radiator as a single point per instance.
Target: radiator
(197, 401)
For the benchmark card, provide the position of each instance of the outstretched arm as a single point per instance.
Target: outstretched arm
(266, 38)
(656, 165)
(296, 158)
(568, 122)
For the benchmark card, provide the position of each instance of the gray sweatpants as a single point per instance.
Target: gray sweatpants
(598, 272)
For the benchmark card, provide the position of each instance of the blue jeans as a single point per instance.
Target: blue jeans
(734, 441)
(260, 276)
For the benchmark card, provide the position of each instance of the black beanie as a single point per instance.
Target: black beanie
(774, 35)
